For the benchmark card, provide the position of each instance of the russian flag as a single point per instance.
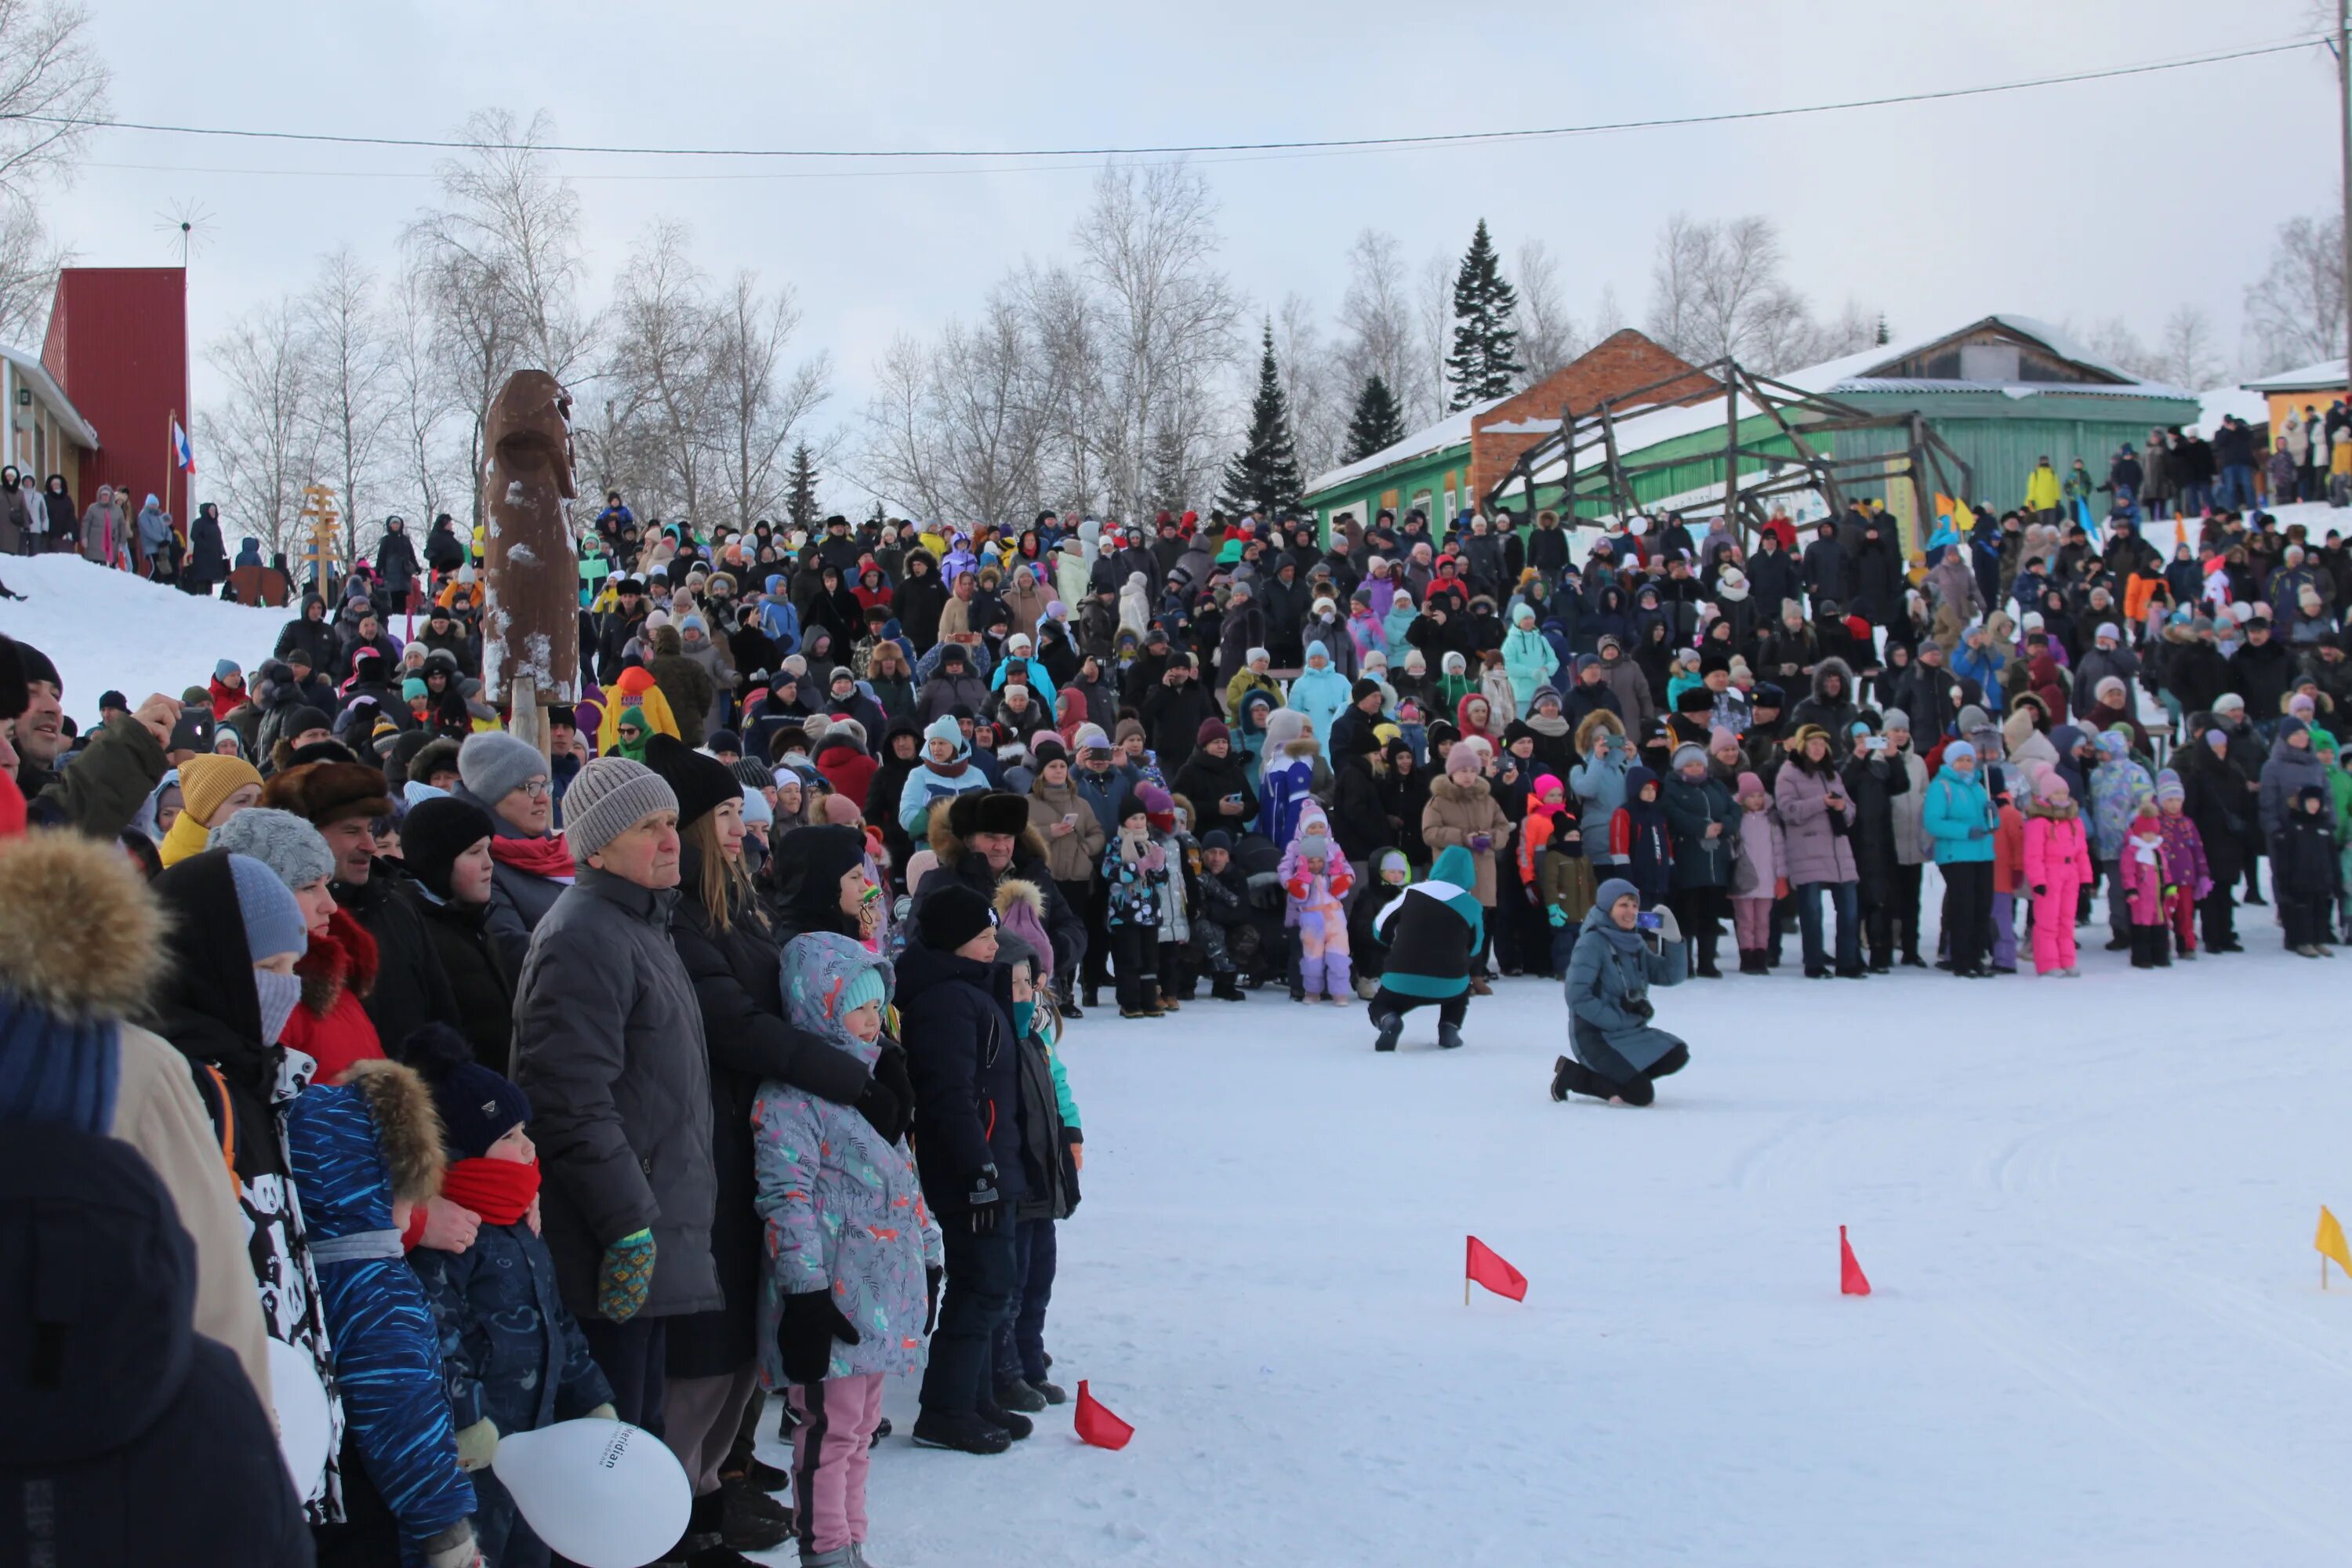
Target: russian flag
(182, 453)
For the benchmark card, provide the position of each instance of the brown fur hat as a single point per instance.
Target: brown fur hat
(329, 793)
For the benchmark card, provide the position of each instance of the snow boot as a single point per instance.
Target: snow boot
(967, 1434)
(1054, 1392)
(1223, 989)
(881, 1430)
(1070, 1009)
(839, 1557)
(1016, 1426)
(1014, 1394)
(1478, 986)
(749, 1518)
(1392, 1026)
(1449, 1038)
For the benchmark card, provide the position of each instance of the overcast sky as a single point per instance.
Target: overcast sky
(2126, 197)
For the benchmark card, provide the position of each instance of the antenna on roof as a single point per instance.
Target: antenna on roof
(187, 225)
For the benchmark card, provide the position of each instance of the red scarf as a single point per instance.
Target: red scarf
(501, 1191)
(550, 857)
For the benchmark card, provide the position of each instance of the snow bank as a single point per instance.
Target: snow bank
(112, 631)
(2086, 1206)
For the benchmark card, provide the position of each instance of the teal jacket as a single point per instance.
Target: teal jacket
(1959, 815)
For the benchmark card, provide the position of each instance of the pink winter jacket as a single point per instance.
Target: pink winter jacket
(2057, 855)
(2146, 870)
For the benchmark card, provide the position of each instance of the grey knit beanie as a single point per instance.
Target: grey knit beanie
(280, 841)
(607, 799)
(494, 765)
(273, 920)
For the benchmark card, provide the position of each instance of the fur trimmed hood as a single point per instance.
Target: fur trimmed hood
(82, 938)
(1590, 728)
(343, 958)
(408, 1129)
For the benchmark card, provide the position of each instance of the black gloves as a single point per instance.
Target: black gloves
(932, 1273)
(1638, 1007)
(987, 1203)
(805, 1333)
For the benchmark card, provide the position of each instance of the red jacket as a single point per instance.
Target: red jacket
(849, 772)
(228, 699)
(329, 1024)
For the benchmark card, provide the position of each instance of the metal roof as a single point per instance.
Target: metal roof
(29, 368)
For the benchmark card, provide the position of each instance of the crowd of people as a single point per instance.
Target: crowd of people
(715, 1052)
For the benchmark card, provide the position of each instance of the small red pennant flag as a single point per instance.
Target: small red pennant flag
(1485, 1267)
(1098, 1426)
(1852, 1280)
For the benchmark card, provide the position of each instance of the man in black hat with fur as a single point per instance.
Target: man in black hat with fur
(981, 839)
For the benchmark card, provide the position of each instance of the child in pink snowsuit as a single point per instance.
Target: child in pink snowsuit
(1760, 870)
(1315, 876)
(2057, 866)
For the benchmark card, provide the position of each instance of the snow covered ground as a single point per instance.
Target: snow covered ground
(112, 631)
(2098, 1336)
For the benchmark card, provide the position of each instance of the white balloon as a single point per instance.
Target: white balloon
(1638, 526)
(304, 1419)
(603, 1493)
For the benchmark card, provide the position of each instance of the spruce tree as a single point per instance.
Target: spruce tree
(1485, 362)
(1883, 337)
(1262, 476)
(1377, 423)
(800, 493)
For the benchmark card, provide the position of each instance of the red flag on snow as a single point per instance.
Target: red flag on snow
(1852, 1281)
(1485, 1267)
(1098, 1426)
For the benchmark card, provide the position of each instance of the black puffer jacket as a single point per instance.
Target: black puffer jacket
(479, 981)
(958, 1017)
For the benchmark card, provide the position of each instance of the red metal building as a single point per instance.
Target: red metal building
(118, 345)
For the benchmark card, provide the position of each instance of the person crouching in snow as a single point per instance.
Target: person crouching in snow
(514, 1357)
(845, 1293)
(1619, 1053)
(1432, 929)
(1317, 878)
(2305, 873)
(2055, 867)
(2148, 882)
(365, 1154)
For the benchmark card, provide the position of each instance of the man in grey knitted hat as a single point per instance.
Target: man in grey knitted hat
(608, 1043)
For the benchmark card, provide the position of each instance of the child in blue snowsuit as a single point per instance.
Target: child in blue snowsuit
(513, 1357)
(365, 1154)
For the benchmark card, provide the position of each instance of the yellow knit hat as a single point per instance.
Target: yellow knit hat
(207, 780)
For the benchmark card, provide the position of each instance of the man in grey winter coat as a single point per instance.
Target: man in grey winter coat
(608, 1043)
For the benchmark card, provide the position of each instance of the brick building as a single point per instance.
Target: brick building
(1441, 468)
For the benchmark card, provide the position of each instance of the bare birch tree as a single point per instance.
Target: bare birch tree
(1314, 383)
(422, 406)
(1549, 336)
(660, 368)
(758, 404)
(263, 431)
(2189, 353)
(52, 88)
(503, 251)
(1383, 336)
(349, 373)
(2294, 311)
(1149, 242)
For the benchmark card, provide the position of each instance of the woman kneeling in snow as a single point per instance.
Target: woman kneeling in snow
(1619, 1056)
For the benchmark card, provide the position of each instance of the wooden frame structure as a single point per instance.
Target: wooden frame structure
(1806, 422)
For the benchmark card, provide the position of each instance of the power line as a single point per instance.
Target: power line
(1305, 147)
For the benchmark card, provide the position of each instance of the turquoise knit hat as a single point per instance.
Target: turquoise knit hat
(863, 986)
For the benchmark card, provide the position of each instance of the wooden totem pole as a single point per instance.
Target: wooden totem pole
(531, 604)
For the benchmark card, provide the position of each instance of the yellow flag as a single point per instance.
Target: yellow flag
(1962, 518)
(2330, 1240)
